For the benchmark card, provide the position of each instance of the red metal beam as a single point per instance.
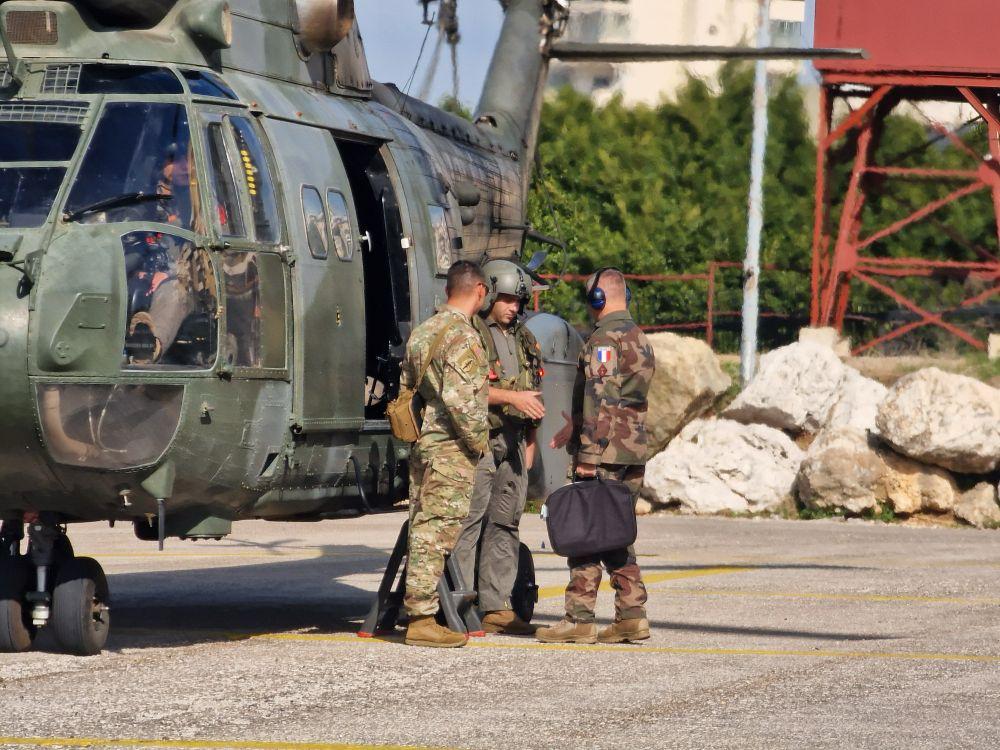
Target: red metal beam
(922, 213)
(926, 315)
(857, 117)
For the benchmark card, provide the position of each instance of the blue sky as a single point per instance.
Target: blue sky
(393, 33)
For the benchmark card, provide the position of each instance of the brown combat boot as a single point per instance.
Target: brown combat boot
(505, 621)
(567, 631)
(625, 631)
(425, 631)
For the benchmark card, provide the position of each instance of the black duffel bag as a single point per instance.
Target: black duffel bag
(590, 517)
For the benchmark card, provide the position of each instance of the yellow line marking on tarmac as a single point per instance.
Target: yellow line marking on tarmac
(75, 742)
(641, 650)
(835, 597)
(304, 554)
(551, 592)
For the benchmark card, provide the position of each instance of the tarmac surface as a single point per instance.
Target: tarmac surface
(766, 634)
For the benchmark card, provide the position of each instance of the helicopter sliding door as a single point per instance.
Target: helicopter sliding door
(387, 278)
(327, 280)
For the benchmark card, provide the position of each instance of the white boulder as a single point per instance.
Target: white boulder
(857, 407)
(841, 472)
(978, 507)
(940, 418)
(795, 389)
(720, 465)
(688, 381)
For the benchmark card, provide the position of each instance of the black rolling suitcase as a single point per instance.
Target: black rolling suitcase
(590, 517)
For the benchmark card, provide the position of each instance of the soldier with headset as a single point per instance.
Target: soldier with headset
(607, 437)
(501, 483)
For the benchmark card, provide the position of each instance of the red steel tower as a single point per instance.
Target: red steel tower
(919, 51)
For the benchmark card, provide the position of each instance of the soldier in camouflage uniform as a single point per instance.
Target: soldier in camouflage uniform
(607, 436)
(453, 439)
(501, 485)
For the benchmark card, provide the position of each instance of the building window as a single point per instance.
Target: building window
(786, 33)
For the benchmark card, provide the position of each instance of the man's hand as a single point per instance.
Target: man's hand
(586, 471)
(528, 403)
(561, 438)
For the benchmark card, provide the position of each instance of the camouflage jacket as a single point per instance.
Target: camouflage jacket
(528, 378)
(609, 398)
(454, 389)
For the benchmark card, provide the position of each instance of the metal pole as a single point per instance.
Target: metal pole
(755, 222)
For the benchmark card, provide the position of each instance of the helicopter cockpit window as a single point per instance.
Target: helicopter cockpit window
(243, 309)
(172, 303)
(108, 426)
(228, 213)
(314, 216)
(207, 84)
(258, 181)
(33, 160)
(127, 79)
(138, 167)
(340, 225)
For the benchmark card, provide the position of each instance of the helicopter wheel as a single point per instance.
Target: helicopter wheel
(16, 631)
(525, 592)
(81, 617)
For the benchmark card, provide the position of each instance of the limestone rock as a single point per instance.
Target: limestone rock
(910, 487)
(688, 381)
(795, 389)
(858, 404)
(978, 507)
(940, 418)
(828, 337)
(841, 472)
(720, 465)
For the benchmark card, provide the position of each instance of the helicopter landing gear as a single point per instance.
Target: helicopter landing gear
(16, 631)
(81, 616)
(50, 586)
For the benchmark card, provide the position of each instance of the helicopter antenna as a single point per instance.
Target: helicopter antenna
(15, 66)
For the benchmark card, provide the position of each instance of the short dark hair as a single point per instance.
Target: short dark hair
(463, 276)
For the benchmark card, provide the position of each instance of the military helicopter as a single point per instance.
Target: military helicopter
(216, 233)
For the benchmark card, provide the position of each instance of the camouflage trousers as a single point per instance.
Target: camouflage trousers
(626, 578)
(440, 492)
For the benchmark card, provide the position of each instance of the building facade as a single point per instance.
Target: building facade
(684, 22)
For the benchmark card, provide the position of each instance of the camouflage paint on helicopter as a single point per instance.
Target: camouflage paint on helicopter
(216, 233)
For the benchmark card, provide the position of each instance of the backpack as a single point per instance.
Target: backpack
(406, 411)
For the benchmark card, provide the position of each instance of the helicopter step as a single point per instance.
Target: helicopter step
(456, 600)
(49, 586)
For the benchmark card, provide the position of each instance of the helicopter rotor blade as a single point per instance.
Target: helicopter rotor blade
(623, 53)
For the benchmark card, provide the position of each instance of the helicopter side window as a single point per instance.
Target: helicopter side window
(138, 167)
(228, 213)
(28, 192)
(172, 303)
(340, 225)
(257, 175)
(314, 216)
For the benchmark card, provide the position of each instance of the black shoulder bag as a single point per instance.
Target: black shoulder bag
(590, 517)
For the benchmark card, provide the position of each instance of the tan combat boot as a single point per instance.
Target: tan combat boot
(425, 631)
(567, 631)
(505, 621)
(625, 631)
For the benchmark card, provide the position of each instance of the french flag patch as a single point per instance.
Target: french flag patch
(604, 354)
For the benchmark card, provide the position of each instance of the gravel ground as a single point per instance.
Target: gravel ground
(766, 634)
